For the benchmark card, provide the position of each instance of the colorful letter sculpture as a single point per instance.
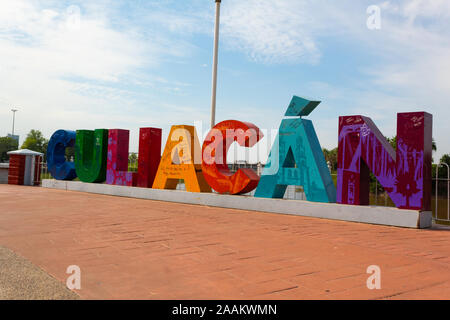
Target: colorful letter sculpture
(91, 149)
(117, 163)
(405, 174)
(297, 159)
(149, 156)
(59, 168)
(179, 161)
(214, 163)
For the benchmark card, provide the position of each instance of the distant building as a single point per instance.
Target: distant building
(241, 164)
(4, 173)
(15, 137)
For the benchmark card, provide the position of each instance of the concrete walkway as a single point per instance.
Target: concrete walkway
(21, 280)
(141, 249)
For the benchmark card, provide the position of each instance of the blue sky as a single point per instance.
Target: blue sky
(130, 64)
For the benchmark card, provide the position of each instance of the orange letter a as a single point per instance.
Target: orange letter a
(181, 160)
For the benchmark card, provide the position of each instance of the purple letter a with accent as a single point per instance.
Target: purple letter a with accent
(405, 174)
(117, 161)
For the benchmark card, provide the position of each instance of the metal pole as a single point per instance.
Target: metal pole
(448, 190)
(14, 119)
(436, 192)
(376, 192)
(215, 56)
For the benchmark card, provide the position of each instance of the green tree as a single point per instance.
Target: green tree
(442, 174)
(393, 142)
(70, 153)
(331, 156)
(7, 144)
(132, 157)
(133, 161)
(445, 159)
(35, 141)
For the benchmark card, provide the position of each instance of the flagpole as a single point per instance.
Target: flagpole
(215, 57)
(14, 120)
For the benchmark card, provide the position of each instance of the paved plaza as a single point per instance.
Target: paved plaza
(141, 249)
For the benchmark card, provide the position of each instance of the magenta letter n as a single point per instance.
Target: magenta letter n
(405, 174)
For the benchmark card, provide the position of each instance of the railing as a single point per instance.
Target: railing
(44, 172)
(132, 166)
(373, 199)
(132, 162)
(436, 207)
(441, 205)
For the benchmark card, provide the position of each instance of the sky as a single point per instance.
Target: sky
(148, 63)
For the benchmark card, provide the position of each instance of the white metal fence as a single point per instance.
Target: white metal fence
(440, 204)
(441, 213)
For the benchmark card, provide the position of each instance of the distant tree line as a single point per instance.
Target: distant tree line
(34, 141)
(7, 144)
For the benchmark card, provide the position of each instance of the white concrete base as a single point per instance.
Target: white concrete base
(4, 167)
(366, 214)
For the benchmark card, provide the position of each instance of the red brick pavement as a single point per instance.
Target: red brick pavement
(141, 249)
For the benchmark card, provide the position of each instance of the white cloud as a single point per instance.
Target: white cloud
(65, 67)
(409, 68)
(414, 69)
(65, 74)
(46, 40)
(270, 31)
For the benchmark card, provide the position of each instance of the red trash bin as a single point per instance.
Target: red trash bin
(24, 167)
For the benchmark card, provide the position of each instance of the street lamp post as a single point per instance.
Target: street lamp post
(14, 120)
(214, 72)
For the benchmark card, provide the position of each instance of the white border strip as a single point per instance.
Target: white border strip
(366, 214)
